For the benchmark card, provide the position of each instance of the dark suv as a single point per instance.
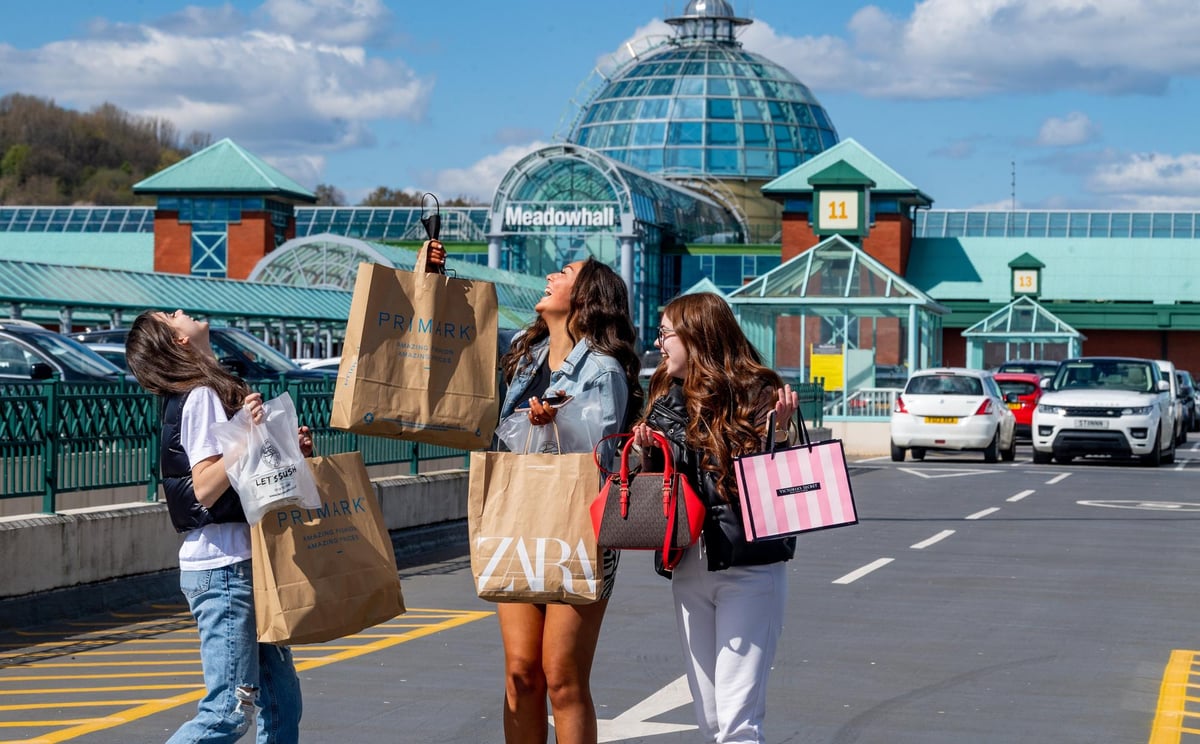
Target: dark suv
(30, 352)
(238, 351)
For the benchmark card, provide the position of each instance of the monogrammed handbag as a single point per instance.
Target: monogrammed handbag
(794, 489)
(641, 510)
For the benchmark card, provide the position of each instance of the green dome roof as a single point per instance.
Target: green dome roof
(702, 104)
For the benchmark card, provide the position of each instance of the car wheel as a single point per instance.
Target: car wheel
(918, 453)
(1042, 458)
(1154, 459)
(1010, 454)
(897, 453)
(991, 453)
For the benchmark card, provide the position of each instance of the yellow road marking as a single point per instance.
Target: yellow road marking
(1169, 719)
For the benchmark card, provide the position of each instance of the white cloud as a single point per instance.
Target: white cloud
(1154, 181)
(969, 48)
(1073, 129)
(480, 179)
(333, 21)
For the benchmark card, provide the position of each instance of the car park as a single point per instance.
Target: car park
(241, 353)
(1188, 396)
(29, 351)
(1112, 406)
(1026, 388)
(952, 408)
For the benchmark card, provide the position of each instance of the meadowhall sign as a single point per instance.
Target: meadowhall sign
(555, 217)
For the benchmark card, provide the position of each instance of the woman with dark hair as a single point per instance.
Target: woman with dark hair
(712, 397)
(582, 339)
(249, 685)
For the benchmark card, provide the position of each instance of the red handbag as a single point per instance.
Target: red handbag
(640, 510)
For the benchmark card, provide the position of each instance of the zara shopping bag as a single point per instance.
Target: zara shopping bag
(794, 489)
(531, 540)
(419, 359)
(321, 574)
(641, 510)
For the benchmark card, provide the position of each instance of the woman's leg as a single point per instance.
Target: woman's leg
(568, 649)
(521, 627)
(695, 615)
(279, 696)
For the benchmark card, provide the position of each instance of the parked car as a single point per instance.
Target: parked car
(1167, 371)
(29, 351)
(953, 408)
(1114, 406)
(1189, 396)
(114, 353)
(239, 352)
(1027, 389)
(326, 363)
(1039, 367)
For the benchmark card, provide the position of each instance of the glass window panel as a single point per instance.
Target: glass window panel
(743, 70)
(975, 223)
(1018, 224)
(583, 136)
(662, 87)
(651, 133)
(804, 116)
(1058, 225)
(783, 137)
(777, 111)
(718, 87)
(748, 88)
(770, 89)
(618, 90)
(685, 133)
(693, 68)
(642, 70)
(627, 110)
(760, 163)
(1141, 226)
(669, 69)
(805, 94)
(1099, 225)
(693, 86)
(689, 108)
(639, 158)
(691, 158)
(828, 139)
(722, 133)
(788, 159)
(750, 110)
(810, 139)
(599, 136)
(1078, 225)
(1182, 227)
(1120, 225)
(720, 68)
(655, 108)
(822, 119)
(755, 134)
(619, 136)
(956, 224)
(638, 88)
(720, 108)
(1038, 224)
(1162, 226)
(655, 160)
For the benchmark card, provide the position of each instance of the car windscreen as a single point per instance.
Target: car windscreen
(944, 385)
(1020, 387)
(73, 356)
(1114, 374)
(228, 339)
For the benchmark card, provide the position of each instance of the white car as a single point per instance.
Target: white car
(952, 408)
(1115, 406)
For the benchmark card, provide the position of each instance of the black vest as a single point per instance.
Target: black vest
(186, 512)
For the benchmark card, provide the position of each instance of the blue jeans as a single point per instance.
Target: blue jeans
(245, 680)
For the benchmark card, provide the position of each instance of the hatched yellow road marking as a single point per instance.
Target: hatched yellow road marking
(1180, 686)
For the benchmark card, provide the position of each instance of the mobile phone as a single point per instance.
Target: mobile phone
(553, 401)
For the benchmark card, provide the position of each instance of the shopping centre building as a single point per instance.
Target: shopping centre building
(696, 164)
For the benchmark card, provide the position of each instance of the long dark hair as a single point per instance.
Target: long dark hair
(599, 312)
(165, 367)
(726, 387)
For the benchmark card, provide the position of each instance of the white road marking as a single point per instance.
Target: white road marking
(984, 513)
(944, 473)
(1182, 506)
(857, 574)
(1058, 478)
(1020, 496)
(633, 724)
(935, 539)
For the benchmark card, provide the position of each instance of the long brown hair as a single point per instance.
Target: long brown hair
(165, 367)
(599, 312)
(726, 387)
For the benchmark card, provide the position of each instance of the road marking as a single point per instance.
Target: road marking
(1177, 506)
(1019, 496)
(1171, 713)
(1058, 478)
(634, 724)
(984, 513)
(944, 473)
(935, 539)
(857, 574)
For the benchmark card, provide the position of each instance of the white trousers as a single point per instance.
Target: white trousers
(729, 622)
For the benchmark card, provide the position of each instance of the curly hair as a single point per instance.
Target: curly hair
(599, 312)
(727, 389)
(165, 367)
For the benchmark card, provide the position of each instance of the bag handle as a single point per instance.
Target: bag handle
(557, 438)
(669, 497)
(801, 429)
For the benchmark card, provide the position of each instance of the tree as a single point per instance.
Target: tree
(329, 196)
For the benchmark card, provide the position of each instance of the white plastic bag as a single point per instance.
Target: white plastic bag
(577, 427)
(264, 461)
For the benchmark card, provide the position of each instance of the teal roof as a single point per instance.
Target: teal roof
(223, 168)
(853, 154)
(1076, 269)
(125, 251)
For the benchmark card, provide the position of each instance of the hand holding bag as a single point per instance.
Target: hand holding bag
(640, 510)
(794, 489)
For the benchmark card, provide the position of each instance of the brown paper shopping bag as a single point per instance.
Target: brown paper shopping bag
(321, 574)
(419, 359)
(530, 531)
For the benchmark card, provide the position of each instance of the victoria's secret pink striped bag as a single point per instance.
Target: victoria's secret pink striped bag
(794, 489)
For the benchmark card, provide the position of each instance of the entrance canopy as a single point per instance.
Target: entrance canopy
(1022, 329)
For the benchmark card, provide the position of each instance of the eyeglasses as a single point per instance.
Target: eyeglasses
(664, 333)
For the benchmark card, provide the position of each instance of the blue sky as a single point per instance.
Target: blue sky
(1093, 101)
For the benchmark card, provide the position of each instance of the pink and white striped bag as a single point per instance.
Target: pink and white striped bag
(795, 489)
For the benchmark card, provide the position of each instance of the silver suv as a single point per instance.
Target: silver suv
(1115, 406)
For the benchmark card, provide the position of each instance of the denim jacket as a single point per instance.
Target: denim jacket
(583, 369)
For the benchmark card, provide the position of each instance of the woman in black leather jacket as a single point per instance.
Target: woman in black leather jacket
(711, 397)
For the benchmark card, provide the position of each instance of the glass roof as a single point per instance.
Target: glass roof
(1022, 317)
(936, 223)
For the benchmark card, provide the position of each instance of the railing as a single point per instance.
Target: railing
(864, 403)
(60, 437)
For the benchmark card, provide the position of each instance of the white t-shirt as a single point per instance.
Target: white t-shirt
(213, 545)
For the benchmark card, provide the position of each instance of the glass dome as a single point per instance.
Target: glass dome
(700, 104)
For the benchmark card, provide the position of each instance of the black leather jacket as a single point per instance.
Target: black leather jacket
(186, 512)
(724, 537)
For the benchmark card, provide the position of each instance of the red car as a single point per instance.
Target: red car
(1026, 388)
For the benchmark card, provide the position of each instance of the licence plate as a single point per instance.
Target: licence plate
(1015, 406)
(1091, 424)
(941, 419)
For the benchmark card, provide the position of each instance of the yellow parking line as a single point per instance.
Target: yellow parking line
(1170, 719)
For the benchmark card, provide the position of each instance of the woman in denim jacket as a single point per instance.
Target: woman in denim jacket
(582, 340)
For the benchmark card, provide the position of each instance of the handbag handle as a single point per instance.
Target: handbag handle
(623, 474)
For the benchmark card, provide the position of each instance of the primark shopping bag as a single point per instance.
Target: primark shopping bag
(419, 358)
(789, 490)
(321, 574)
(530, 531)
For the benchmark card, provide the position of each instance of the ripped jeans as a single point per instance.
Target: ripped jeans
(249, 684)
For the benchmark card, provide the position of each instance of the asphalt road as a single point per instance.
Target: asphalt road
(973, 603)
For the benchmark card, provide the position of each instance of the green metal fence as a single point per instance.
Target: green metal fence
(58, 437)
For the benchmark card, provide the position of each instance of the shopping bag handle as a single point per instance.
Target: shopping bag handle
(802, 429)
(557, 438)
